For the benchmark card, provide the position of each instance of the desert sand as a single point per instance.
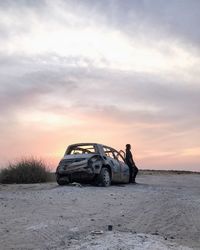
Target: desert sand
(161, 212)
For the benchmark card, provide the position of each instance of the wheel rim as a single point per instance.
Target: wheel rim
(106, 177)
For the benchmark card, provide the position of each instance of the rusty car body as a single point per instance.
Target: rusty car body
(94, 163)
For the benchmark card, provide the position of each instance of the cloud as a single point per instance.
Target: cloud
(72, 30)
(137, 95)
(158, 20)
(31, 89)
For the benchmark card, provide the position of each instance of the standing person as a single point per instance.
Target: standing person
(133, 170)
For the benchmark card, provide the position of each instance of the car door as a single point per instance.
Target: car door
(124, 169)
(114, 164)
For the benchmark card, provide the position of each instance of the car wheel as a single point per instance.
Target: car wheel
(104, 177)
(62, 181)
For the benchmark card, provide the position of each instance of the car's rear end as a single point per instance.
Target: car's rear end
(81, 163)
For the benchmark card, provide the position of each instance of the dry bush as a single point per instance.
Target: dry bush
(25, 171)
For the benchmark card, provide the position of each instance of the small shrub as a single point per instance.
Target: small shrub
(25, 171)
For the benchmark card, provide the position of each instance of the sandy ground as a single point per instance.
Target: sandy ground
(161, 212)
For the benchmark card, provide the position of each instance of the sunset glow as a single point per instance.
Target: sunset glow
(89, 71)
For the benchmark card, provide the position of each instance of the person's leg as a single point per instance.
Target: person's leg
(130, 174)
(135, 171)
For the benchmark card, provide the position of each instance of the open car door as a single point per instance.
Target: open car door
(124, 169)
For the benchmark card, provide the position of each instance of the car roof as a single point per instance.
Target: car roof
(85, 143)
(90, 143)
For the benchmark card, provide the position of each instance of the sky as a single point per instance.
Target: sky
(109, 71)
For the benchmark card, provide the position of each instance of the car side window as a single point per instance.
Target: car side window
(108, 152)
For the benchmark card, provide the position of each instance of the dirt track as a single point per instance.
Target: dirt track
(161, 212)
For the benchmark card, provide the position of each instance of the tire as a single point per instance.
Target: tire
(104, 178)
(62, 181)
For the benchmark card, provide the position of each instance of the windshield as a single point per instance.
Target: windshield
(81, 149)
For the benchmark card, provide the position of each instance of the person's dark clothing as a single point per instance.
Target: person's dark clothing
(130, 174)
(129, 158)
(133, 170)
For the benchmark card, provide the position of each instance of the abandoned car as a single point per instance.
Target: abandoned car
(92, 163)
